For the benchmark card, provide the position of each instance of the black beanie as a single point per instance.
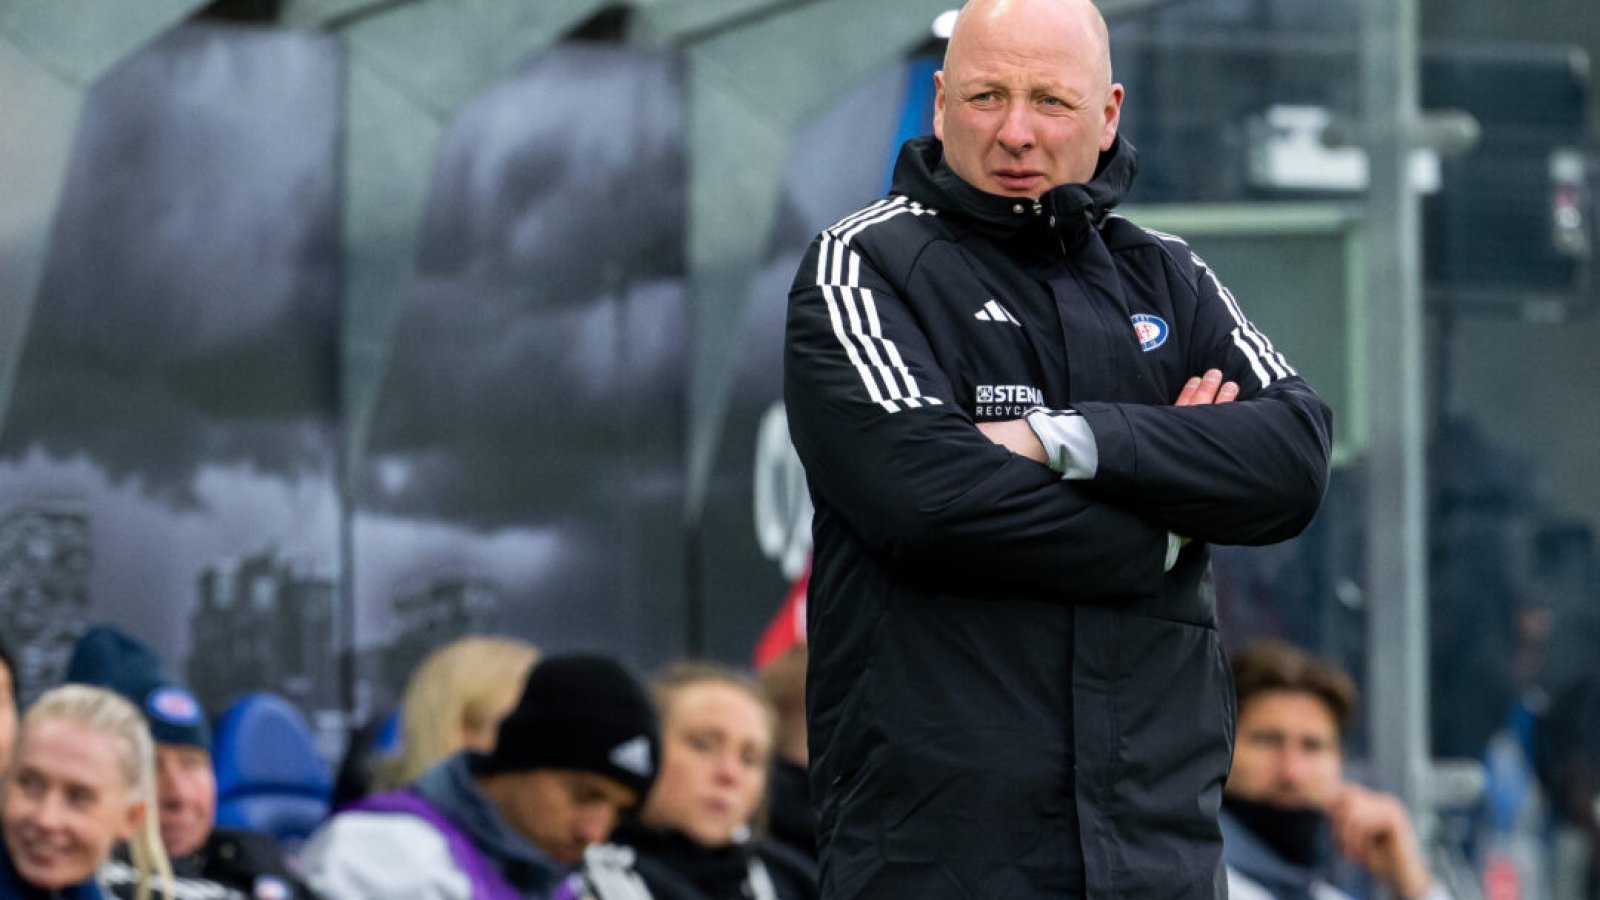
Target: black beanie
(579, 712)
(108, 658)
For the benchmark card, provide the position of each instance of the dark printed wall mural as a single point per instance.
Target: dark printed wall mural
(757, 527)
(167, 462)
(525, 466)
(169, 459)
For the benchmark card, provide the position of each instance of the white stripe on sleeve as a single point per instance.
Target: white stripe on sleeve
(831, 297)
(1249, 339)
(854, 314)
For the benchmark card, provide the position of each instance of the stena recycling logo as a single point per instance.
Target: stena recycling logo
(633, 756)
(173, 704)
(1150, 330)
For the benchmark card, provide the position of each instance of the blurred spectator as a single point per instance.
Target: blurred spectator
(206, 861)
(578, 750)
(8, 705)
(789, 816)
(82, 781)
(370, 749)
(1567, 739)
(693, 838)
(1286, 805)
(454, 701)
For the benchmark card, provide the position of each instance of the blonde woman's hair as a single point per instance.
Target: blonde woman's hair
(462, 685)
(664, 687)
(107, 713)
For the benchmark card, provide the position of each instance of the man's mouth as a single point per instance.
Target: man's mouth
(1015, 178)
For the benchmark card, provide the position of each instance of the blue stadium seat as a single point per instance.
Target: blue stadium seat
(270, 777)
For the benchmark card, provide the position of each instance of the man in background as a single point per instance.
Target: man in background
(579, 750)
(1287, 808)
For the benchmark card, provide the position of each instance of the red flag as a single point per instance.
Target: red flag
(788, 627)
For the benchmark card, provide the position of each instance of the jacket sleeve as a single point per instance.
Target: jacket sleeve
(884, 445)
(1248, 472)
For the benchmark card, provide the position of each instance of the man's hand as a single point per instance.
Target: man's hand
(1017, 436)
(1205, 389)
(1375, 832)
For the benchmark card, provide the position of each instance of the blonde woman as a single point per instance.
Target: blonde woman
(454, 701)
(692, 840)
(81, 781)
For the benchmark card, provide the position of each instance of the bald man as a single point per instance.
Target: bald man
(1023, 421)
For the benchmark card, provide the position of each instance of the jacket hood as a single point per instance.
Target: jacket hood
(1062, 217)
(450, 787)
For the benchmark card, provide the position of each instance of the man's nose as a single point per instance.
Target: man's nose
(595, 825)
(1016, 129)
(1296, 768)
(48, 812)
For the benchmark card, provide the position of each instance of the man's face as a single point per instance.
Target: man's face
(186, 791)
(67, 804)
(1287, 751)
(1025, 102)
(562, 811)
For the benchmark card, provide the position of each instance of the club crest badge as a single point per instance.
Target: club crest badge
(1151, 331)
(173, 704)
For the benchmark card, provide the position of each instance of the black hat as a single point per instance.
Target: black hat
(108, 658)
(580, 712)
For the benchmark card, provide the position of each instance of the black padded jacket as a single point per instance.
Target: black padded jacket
(1011, 694)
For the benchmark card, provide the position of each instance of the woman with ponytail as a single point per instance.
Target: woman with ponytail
(81, 780)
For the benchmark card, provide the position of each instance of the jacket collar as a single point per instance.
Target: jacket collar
(1061, 218)
(1250, 856)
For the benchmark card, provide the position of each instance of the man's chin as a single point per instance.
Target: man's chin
(182, 843)
(1017, 193)
(1296, 804)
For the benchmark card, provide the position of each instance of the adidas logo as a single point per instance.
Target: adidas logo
(633, 756)
(994, 312)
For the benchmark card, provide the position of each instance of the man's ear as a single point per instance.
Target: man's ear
(1113, 113)
(938, 104)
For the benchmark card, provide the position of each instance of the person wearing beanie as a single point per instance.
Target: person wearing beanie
(578, 751)
(211, 862)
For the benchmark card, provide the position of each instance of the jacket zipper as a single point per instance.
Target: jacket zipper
(1038, 210)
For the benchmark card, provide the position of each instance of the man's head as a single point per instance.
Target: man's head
(1294, 709)
(1025, 101)
(186, 785)
(580, 748)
